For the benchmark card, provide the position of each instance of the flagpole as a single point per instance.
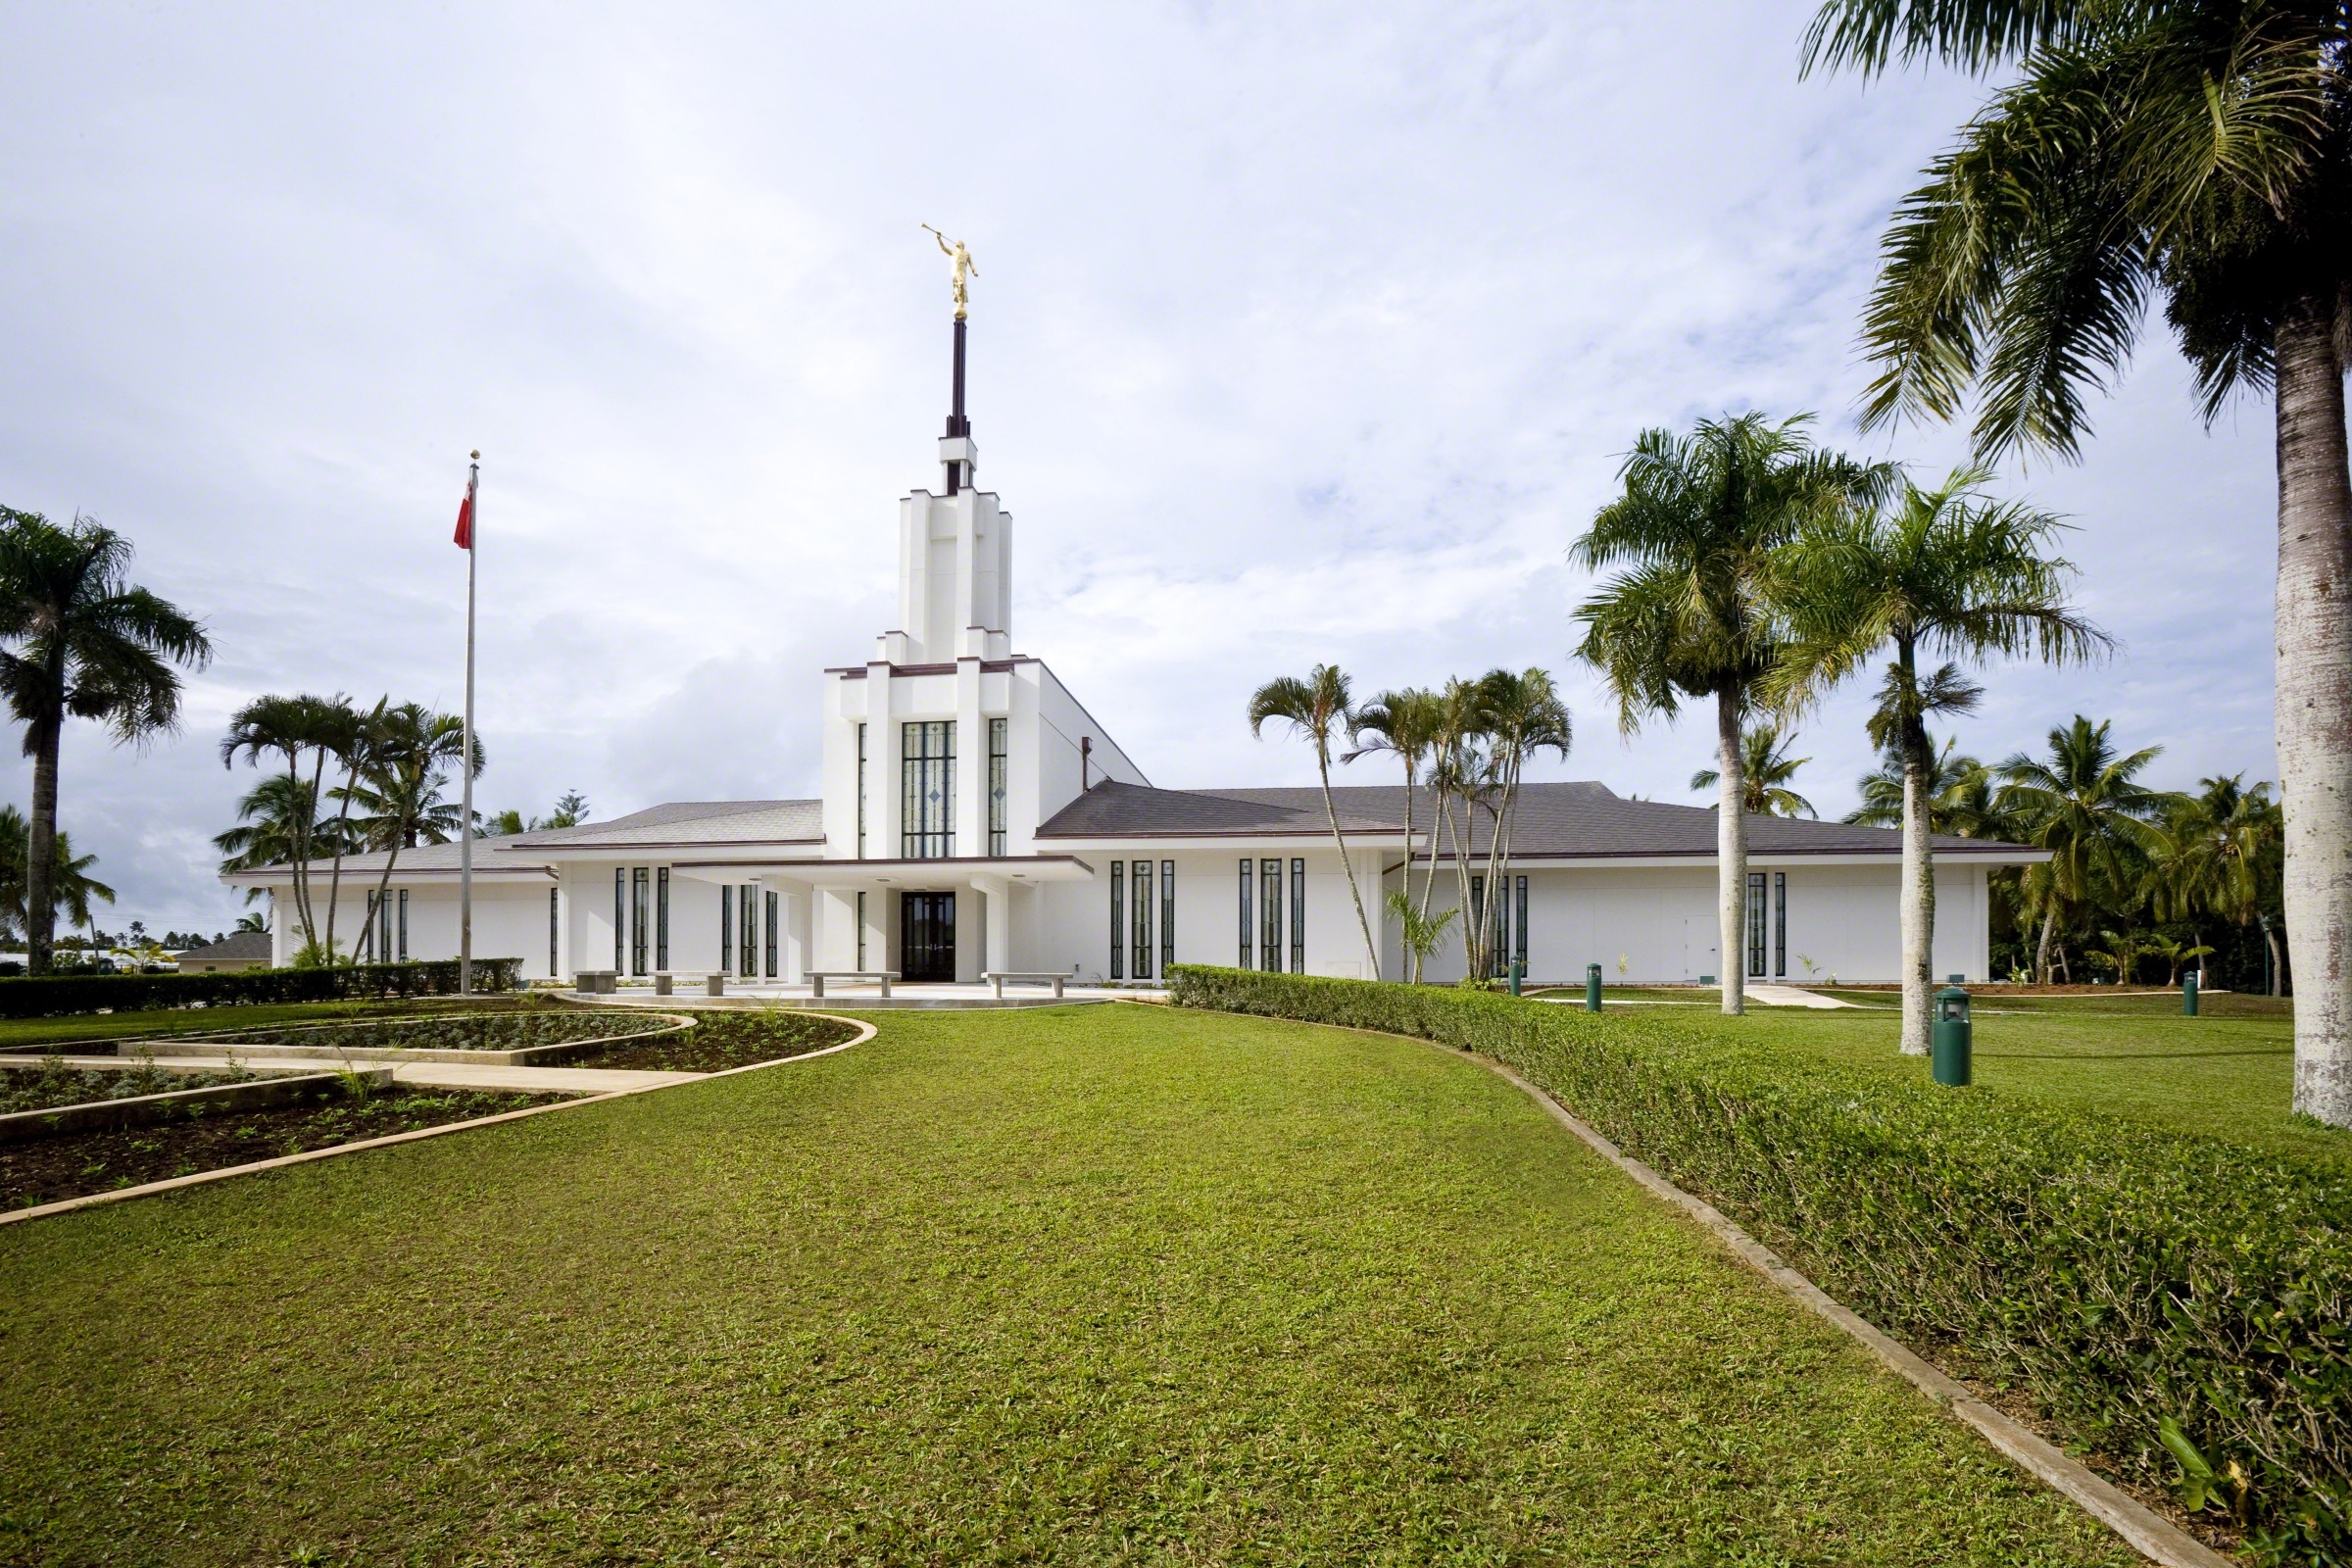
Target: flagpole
(473, 476)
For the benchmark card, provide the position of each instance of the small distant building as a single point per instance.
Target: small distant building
(247, 949)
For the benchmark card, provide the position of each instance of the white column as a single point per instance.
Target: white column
(971, 763)
(998, 895)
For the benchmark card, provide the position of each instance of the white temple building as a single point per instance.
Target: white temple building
(977, 818)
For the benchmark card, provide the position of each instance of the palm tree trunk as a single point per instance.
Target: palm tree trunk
(2269, 940)
(1363, 923)
(2315, 700)
(1412, 960)
(2041, 949)
(335, 878)
(1731, 850)
(1919, 891)
(40, 849)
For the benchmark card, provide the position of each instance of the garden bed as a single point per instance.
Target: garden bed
(519, 1029)
(52, 1084)
(721, 1041)
(53, 1170)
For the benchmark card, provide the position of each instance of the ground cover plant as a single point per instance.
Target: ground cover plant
(52, 1084)
(97, 1029)
(2123, 1271)
(1053, 1286)
(46, 1170)
(721, 1041)
(507, 1030)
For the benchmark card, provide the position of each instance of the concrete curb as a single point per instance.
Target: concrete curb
(19, 1216)
(2147, 1532)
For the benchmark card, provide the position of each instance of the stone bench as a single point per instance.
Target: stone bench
(881, 977)
(595, 982)
(1024, 977)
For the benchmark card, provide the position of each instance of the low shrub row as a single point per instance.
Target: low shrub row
(59, 996)
(2127, 1280)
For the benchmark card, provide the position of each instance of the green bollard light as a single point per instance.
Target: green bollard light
(1952, 1045)
(1591, 988)
(2188, 995)
(1516, 968)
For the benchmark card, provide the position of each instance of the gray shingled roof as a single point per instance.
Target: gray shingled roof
(236, 946)
(687, 824)
(682, 824)
(1581, 818)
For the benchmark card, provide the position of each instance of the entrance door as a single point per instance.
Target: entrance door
(927, 936)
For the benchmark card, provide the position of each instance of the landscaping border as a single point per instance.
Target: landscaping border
(150, 1189)
(140, 1110)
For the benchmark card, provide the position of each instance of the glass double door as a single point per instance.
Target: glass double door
(927, 937)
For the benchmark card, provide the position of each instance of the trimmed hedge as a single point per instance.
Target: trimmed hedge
(2121, 1275)
(59, 996)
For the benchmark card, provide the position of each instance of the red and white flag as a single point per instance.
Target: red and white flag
(465, 519)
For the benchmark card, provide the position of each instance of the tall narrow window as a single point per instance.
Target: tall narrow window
(862, 931)
(1755, 923)
(927, 765)
(555, 910)
(1297, 916)
(997, 762)
(1478, 912)
(1779, 924)
(727, 930)
(640, 918)
(768, 931)
(862, 792)
(1249, 935)
(1168, 918)
(1119, 919)
(1269, 916)
(620, 915)
(1139, 921)
(747, 957)
(662, 918)
(1519, 928)
(383, 930)
(403, 925)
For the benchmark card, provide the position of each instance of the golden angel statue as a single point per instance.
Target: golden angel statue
(960, 269)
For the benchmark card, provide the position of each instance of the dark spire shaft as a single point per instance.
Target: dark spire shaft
(957, 424)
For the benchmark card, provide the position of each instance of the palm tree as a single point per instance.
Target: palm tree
(274, 820)
(1316, 708)
(1765, 770)
(399, 791)
(2085, 804)
(1460, 770)
(1944, 571)
(293, 728)
(1952, 777)
(77, 640)
(1695, 525)
(1525, 715)
(72, 887)
(2188, 149)
(1407, 725)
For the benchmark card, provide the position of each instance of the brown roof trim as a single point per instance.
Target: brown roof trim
(553, 851)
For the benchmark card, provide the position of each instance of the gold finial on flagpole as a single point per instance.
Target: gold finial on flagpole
(961, 268)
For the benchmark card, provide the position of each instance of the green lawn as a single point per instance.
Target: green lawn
(1081, 1285)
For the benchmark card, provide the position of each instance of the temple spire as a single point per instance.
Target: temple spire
(958, 460)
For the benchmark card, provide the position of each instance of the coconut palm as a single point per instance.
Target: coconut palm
(1765, 770)
(2084, 803)
(1945, 572)
(2187, 150)
(77, 640)
(1958, 788)
(1460, 773)
(1407, 725)
(1697, 520)
(72, 887)
(1317, 709)
(400, 792)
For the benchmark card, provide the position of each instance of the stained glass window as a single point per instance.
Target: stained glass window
(1249, 937)
(997, 764)
(1269, 925)
(929, 776)
(1119, 919)
(1167, 916)
(1755, 923)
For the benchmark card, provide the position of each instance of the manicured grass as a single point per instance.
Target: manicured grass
(2228, 1073)
(1089, 1284)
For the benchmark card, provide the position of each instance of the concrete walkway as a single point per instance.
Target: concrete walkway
(1790, 997)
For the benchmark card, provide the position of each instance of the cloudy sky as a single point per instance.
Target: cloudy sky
(1301, 332)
